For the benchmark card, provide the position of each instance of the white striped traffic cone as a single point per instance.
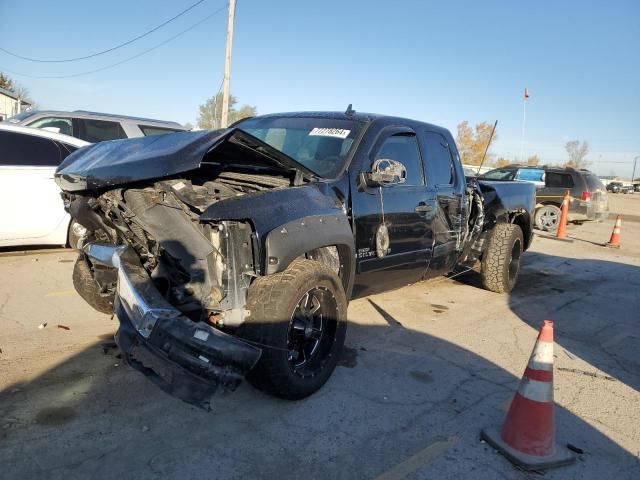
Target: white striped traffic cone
(614, 241)
(528, 436)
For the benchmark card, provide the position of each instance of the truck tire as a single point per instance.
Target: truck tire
(298, 317)
(87, 287)
(547, 217)
(76, 232)
(501, 260)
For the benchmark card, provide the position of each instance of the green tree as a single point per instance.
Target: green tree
(9, 84)
(211, 112)
(5, 82)
(577, 151)
(473, 142)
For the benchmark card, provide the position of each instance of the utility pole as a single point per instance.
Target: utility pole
(227, 66)
(633, 175)
(524, 121)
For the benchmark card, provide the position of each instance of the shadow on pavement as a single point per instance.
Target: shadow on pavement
(399, 392)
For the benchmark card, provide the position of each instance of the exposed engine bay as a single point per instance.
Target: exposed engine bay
(204, 270)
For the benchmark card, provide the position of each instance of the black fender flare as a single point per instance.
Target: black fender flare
(293, 239)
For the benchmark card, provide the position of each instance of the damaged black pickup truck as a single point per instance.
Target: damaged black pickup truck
(233, 253)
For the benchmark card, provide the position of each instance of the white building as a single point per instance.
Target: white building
(11, 104)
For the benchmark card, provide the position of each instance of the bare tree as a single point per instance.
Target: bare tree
(577, 151)
(501, 162)
(533, 161)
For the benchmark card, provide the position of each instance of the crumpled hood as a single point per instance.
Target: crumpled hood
(118, 162)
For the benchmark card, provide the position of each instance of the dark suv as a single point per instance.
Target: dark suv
(588, 194)
(619, 187)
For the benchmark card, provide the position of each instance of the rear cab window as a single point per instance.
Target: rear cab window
(438, 160)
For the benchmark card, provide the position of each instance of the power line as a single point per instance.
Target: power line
(144, 52)
(116, 47)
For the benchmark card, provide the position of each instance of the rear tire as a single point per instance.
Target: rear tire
(547, 218)
(298, 317)
(501, 260)
(88, 289)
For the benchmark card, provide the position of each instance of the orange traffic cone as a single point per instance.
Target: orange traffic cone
(614, 241)
(528, 436)
(564, 213)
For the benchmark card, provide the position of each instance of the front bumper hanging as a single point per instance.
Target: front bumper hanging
(186, 359)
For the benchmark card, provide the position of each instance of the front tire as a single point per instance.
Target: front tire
(298, 317)
(501, 260)
(88, 289)
(547, 218)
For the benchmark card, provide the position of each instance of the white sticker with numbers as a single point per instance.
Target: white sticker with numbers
(330, 132)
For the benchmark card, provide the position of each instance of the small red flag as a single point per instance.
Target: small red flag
(526, 93)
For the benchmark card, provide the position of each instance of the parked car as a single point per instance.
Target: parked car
(619, 187)
(234, 252)
(92, 126)
(534, 175)
(588, 194)
(31, 209)
(636, 187)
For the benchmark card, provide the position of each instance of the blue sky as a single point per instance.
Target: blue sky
(442, 62)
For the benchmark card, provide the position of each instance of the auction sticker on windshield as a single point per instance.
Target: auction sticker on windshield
(330, 132)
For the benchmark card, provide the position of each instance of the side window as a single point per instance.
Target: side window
(99, 130)
(54, 124)
(438, 160)
(531, 174)
(28, 151)
(149, 130)
(559, 180)
(403, 148)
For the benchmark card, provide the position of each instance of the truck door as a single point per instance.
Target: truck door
(405, 209)
(447, 184)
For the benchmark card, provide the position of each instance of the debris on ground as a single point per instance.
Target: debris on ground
(145, 429)
(573, 448)
(588, 374)
(64, 327)
(42, 325)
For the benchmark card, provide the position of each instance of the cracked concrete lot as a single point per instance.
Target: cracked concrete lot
(426, 367)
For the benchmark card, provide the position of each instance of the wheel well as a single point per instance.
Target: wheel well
(550, 202)
(336, 258)
(523, 220)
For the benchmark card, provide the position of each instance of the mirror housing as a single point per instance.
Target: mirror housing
(386, 172)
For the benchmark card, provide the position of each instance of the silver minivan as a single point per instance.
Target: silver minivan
(93, 126)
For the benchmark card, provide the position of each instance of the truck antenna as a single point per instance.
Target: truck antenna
(350, 111)
(487, 148)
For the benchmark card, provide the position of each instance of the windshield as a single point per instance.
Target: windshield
(500, 174)
(320, 144)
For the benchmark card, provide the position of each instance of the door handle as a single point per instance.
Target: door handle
(423, 208)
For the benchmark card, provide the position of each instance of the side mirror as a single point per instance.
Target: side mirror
(386, 172)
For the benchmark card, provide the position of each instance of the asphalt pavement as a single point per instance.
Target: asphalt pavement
(426, 367)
